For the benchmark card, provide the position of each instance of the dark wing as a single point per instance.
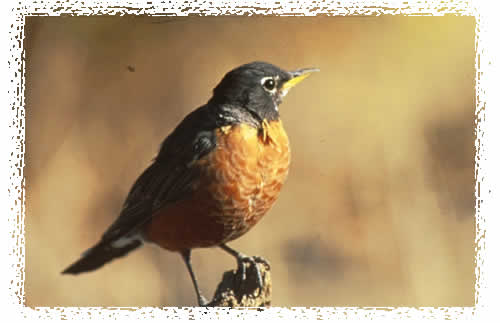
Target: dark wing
(170, 176)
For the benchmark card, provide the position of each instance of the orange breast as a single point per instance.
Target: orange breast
(240, 181)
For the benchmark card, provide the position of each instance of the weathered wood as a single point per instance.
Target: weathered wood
(232, 292)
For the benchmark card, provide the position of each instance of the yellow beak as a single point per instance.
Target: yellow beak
(297, 77)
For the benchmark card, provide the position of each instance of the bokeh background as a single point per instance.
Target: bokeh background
(378, 209)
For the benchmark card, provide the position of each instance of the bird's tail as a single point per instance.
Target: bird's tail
(100, 254)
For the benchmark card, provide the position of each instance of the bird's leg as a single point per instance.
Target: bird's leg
(242, 258)
(186, 255)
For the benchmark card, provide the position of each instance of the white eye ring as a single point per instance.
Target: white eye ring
(269, 84)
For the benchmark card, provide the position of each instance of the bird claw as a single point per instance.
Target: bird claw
(253, 262)
(202, 301)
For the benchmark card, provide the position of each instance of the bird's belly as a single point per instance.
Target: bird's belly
(240, 181)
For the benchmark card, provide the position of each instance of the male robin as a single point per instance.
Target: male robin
(214, 177)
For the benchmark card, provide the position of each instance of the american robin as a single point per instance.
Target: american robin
(215, 175)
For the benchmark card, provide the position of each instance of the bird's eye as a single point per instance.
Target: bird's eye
(269, 84)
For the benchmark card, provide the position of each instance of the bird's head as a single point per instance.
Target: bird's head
(258, 87)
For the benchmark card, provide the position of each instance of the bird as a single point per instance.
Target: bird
(214, 177)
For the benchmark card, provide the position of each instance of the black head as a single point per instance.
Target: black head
(257, 87)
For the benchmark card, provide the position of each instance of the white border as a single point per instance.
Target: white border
(486, 158)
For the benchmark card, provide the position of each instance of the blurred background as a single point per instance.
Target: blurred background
(378, 209)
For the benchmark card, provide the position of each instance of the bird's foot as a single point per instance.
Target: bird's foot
(253, 261)
(202, 301)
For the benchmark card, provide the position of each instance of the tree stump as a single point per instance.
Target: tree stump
(234, 292)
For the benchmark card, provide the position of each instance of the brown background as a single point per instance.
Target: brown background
(379, 206)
